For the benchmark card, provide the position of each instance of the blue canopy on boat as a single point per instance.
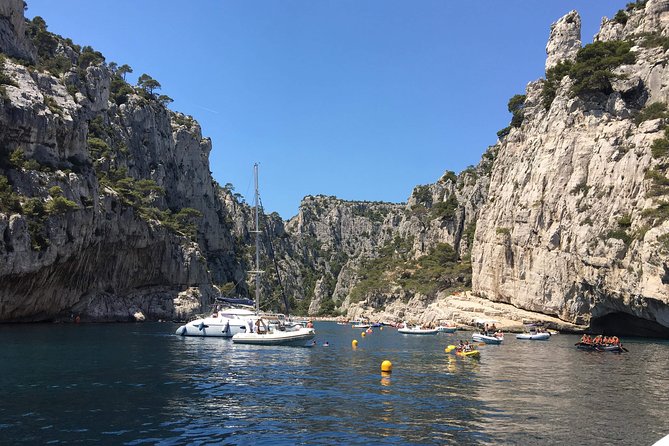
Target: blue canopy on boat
(236, 301)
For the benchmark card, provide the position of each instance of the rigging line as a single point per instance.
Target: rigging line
(271, 254)
(235, 286)
(246, 192)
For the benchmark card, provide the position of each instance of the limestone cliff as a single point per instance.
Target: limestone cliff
(13, 40)
(108, 209)
(575, 224)
(374, 255)
(108, 206)
(569, 207)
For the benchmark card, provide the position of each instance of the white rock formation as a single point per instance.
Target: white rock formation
(565, 39)
(562, 189)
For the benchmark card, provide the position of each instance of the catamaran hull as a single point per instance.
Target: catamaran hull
(215, 328)
(296, 338)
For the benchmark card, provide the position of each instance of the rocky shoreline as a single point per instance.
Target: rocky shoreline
(464, 310)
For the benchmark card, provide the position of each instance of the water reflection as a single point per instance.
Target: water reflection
(138, 384)
(385, 378)
(551, 390)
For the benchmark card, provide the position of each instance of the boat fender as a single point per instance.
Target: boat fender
(183, 331)
(201, 326)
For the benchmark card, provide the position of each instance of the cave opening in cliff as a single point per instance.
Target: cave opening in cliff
(624, 324)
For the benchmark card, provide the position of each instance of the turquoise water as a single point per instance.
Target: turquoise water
(139, 384)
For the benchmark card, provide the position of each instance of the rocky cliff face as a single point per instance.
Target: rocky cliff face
(376, 255)
(565, 39)
(108, 207)
(13, 40)
(575, 223)
(569, 207)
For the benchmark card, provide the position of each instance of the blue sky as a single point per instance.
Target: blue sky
(362, 99)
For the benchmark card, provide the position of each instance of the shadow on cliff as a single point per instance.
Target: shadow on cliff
(624, 324)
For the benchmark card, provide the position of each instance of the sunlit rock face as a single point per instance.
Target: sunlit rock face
(565, 39)
(13, 40)
(570, 227)
(564, 218)
(560, 217)
(337, 237)
(101, 259)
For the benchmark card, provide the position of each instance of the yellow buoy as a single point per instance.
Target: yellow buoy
(363, 334)
(354, 343)
(386, 366)
(381, 328)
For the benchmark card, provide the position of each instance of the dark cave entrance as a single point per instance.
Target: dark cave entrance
(623, 324)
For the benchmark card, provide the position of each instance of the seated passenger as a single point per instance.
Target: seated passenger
(260, 326)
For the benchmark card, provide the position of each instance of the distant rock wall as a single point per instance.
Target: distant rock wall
(338, 236)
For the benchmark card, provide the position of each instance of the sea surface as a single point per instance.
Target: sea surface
(137, 384)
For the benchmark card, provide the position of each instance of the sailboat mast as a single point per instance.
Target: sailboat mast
(257, 231)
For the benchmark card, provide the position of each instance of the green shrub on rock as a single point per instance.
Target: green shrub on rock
(656, 110)
(552, 82)
(621, 17)
(59, 205)
(9, 200)
(660, 147)
(592, 71)
(446, 209)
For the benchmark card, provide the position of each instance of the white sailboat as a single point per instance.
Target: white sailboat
(264, 332)
(222, 323)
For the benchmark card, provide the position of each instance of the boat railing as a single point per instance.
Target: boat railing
(273, 316)
(214, 309)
